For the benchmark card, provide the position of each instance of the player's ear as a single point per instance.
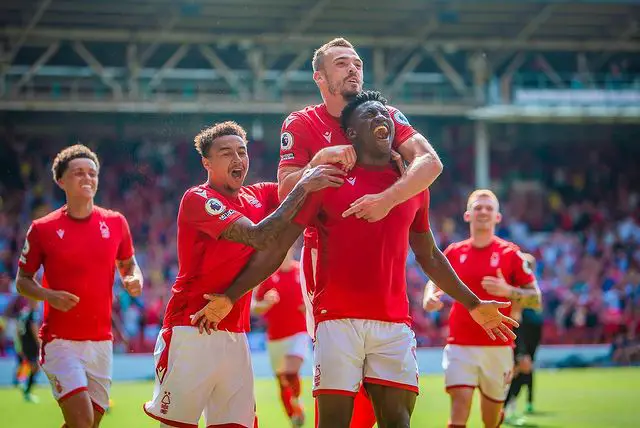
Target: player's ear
(60, 183)
(205, 163)
(498, 218)
(351, 134)
(318, 77)
(467, 216)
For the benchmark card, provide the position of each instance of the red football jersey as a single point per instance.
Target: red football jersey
(361, 265)
(208, 264)
(78, 256)
(472, 264)
(305, 132)
(286, 317)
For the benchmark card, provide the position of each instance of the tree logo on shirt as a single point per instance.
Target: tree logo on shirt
(214, 207)
(104, 230)
(286, 140)
(401, 118)
(495, 260)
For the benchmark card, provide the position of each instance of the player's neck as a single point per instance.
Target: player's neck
(366, 159)
(224, 190)
(79, 208)
(334, 104)
(482, 238)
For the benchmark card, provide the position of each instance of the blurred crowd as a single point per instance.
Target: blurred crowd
(578, 215)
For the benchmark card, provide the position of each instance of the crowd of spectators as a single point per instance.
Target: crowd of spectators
(578, 215)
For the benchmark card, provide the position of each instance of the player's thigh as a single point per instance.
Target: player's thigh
(335, 409)
(277, 350)
(338, 357)
(496, 371)
(297, 351)
(461, 367)
(232, 399)
(490, 411)
(62, 362)
(461, 399)
(390, 350)
(393, 406)
(186, 365)
(77, 410)
(99, 365)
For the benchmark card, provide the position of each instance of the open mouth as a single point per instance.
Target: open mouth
(87, 187)
(381, 132)
(236, 173)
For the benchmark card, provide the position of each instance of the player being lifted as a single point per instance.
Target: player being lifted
(313, 136)
(494, 269)
(79, 245)
(361, 306)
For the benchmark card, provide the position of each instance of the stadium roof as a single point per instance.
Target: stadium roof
(516, 24)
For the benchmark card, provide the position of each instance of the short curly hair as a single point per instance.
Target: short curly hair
(355, 102)
(204, 140)
(77, 151)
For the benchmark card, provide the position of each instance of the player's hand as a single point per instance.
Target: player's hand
(272, 297)
(209, 317)
(431, 301)
(369, 207)
(321, 177)
(62, 300)
(133, 285)
(344, 155)
(494, 323)
(496, 285)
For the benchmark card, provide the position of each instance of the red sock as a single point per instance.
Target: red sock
(363, 414)
(293, 379)
(285, 394)
(316, 413)
(450, 425)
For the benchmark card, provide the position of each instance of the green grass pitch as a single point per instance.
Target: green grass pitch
(569, 398)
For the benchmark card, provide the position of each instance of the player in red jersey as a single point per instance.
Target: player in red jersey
(79, 246)
(279, 299)
(220, 223)
(363, 331)
(494, 269)
(313, 136)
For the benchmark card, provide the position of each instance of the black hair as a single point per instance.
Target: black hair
(355, 102)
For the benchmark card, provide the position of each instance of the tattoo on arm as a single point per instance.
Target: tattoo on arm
(527, 296)
(260, 236)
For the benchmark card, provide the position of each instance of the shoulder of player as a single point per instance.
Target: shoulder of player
(48, 220)
(459, 246)
(107, 213)
(506, 247)
(301, 118)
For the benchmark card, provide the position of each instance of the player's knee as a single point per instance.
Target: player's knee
(80, 420)
(394, 417)
(491, 420)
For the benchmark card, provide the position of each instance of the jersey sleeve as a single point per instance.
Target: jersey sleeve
(448, 252)
(421, 222)
(404, 130)
(32, 255)
(125, 249)
(295, 142)
(268, 195)
(310, 209)
(209, 215)
(521, 272)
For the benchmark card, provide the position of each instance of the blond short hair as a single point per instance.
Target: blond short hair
(318, 55)
(482, 193)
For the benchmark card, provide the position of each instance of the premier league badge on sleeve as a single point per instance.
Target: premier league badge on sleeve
(401, 118)
(286, 141)
(214, 207)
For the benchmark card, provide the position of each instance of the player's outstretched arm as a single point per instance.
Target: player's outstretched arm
(439, 270)
(424, 167)
(131, 276)
(264, 234)
(27, 285)
(259, 267)
(436, 265)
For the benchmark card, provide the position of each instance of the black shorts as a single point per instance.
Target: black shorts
(527, 340)
(30, 352)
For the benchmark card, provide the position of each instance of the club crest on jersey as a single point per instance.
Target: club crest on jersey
(401, 118)
(214, 207)
(165, 402)
(104, 230)
(495, 260)
(286, 141)
(256, 203)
